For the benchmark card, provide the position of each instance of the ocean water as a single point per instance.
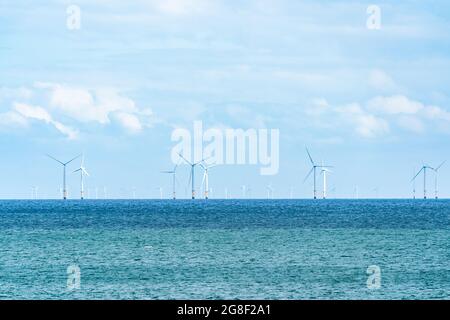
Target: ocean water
(280, 249)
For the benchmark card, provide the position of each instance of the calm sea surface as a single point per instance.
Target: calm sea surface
(286, 249)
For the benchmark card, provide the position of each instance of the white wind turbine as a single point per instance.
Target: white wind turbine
(64, 164)
(160, 189)
(192, 175)
(324, 172)
(313, 171)
(205, 182)
(174, 180)
(82, 171)
(424, 169)
(244, 191)
(436, 191)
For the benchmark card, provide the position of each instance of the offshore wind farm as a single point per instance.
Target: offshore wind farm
(316, 171)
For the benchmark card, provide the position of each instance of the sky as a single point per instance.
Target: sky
(373, 103)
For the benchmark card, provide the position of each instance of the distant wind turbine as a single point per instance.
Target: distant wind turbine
(376, 191)
(174, 180)
(269, 189)
(244, 191)
(205, 182)
(436, 192)
(64, 164)
(160, 189)
(313, 171)
(34, 193)
(192, 176)
(424, 169)
(324, 172)
(82, 171)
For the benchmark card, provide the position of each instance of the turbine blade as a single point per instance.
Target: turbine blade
(72, 160)
(307, 176)
(181, 156)
(310, 158)
(78, 170)
(203, 181)
(190, 177)
(417, 174)
(440, 165)
(54, 159)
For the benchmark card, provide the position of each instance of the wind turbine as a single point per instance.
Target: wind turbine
(160, 189)
(174, 180)
(82, 171)
(192, 176)
(205, 181)
(376, 192)
(324, 172)
(313, 171)
(269, 191)
(424, 169)
(244, 191)
(34, 192)
(64, 164)
(436, 180)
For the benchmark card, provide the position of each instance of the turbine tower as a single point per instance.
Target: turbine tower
(269, 189)
(174, 180)
(192, 176)
(205, 181)
(424, 169)
(324, 172)
(82, 171)
(244, 191)
(436, 192)
(64, 164)
(313, 171)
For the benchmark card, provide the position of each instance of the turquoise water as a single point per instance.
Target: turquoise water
(284, 249)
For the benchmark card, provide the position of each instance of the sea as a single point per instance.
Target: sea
(225, 249)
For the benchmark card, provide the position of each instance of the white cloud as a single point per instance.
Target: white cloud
(401, 105)
(99, 105)
(12, 119)
(394, 105)
(369, 126)
(380, 80)
(39, 113)
(366, 125)
(15, 93)
(183, 7)
(130, 122)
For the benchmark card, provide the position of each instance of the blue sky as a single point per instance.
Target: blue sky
(373, 103)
